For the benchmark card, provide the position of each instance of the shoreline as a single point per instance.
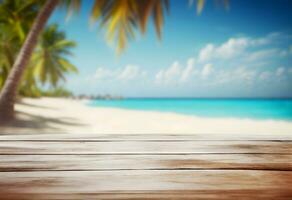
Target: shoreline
(58, 115)
(192, 115)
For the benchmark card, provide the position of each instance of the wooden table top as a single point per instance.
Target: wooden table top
(154, 166)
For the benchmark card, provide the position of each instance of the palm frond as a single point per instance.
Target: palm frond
(123, 17)
(72, 6)
(50, 60)
(200, 5)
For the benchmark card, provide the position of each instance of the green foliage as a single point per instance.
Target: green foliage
(16, 17)
(49, 63)
(50, 58)
(122, 17)
(29, 86)
(19, 15)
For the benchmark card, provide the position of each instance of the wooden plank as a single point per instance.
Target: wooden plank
(144, 137)
(246, 194)
(134, 147)
(203, 184)
(140, 162)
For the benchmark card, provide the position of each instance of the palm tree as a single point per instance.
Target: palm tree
(8, 48)
(49, 60)
(120, 17)
(8, 92)
(15, 20)
(29, 85)
(19, 15)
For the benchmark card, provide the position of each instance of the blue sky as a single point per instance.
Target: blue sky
(245, 51)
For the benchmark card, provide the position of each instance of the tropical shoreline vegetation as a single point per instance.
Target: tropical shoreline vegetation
(120, 17)
(34, 53)
(49, 62)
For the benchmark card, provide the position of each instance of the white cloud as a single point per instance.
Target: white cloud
(237, 74)
(227, 50)
(177, 73)
(266, 40)
(131, 72)
(237, 61)
(280, 71)
(103, 73)
(239, 66)
(234, 47)
(207, 70)
(245, 74)
(206, 53)
(128, 72)
(188, 71)
(286, 52)
(159, 76)
(262, 54)
(173, 71)
(265, 75)
(170, 74)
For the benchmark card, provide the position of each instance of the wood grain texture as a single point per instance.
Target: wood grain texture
(144, 162)
(61, 184)
(144, 137)
(140, 147)
(242, 194)
(145, 167)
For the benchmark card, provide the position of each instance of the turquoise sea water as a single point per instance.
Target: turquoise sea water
(280, 109)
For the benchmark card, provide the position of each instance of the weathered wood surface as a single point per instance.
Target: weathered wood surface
(142, 147)
(94, 182)
(145, 162)
(145, 137)
(145, 167)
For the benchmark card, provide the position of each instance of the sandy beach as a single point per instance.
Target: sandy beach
(57, 115)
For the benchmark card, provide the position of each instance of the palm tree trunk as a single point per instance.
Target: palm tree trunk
(9, 90)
